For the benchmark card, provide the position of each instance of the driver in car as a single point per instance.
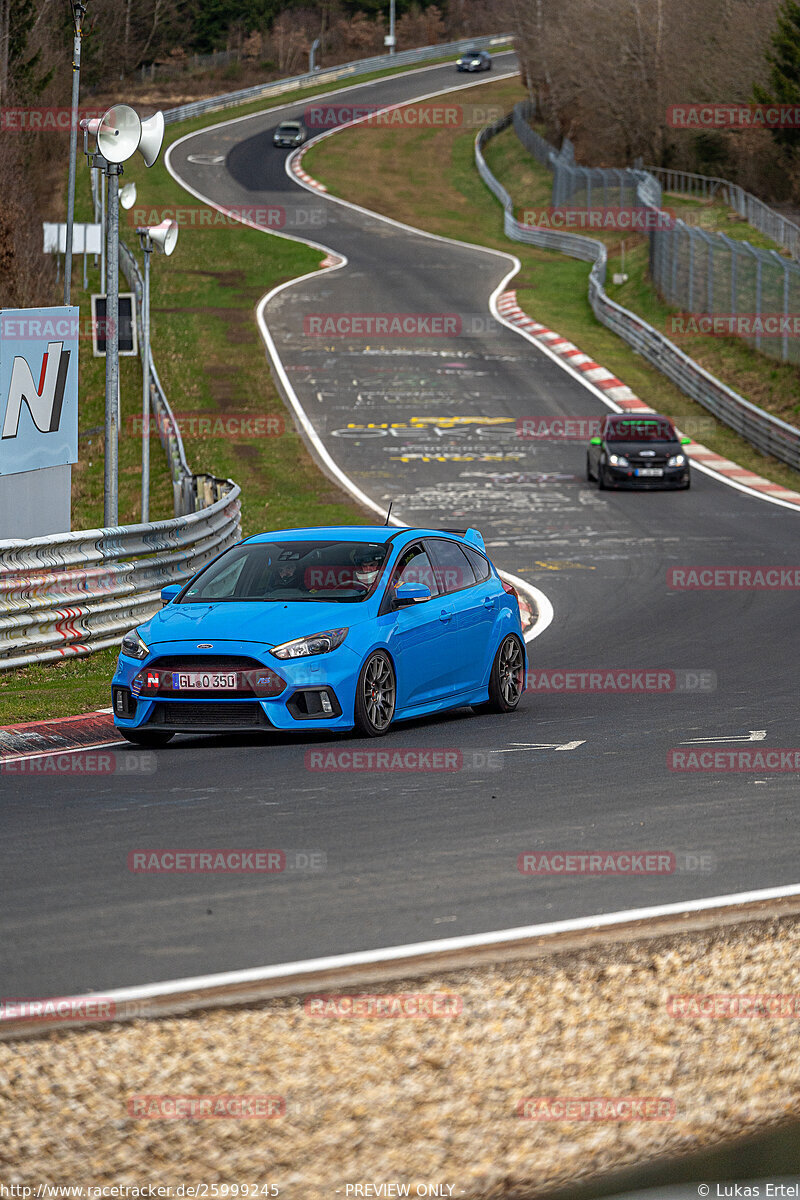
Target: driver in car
(367, 565)
(286, 576)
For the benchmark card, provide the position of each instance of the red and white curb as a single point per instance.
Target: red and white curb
(301, 174)
(626, 401)
(38, 739)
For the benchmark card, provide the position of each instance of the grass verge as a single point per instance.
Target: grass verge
(429, 180)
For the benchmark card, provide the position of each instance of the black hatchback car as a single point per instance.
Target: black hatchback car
(474, 60)
(634, 451)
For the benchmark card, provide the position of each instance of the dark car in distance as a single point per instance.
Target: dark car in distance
(289, 134)
(633, 451)
(474, 60)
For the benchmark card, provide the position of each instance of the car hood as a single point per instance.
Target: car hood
(248, 621)
(636, 448)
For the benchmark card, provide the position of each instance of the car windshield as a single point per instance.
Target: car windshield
(472, 54)
(639, 430)
(289, 127)
(291, 571)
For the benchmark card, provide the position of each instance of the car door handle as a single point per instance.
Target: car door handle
(488, 601)
(446, 614)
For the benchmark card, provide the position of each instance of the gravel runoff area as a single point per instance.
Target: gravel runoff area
(354, 1105)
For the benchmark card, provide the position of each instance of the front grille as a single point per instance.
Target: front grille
(216, 663)
(198, 715)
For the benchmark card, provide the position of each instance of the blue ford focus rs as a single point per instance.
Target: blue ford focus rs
(331, 628)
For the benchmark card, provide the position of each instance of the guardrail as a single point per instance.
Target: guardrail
(764, 431)
(66, 595)
(363, 66)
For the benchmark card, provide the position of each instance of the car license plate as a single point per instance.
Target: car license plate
(649, 470)
(204, 681)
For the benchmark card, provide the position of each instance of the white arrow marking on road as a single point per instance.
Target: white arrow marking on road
(540, 746)
(755, 735)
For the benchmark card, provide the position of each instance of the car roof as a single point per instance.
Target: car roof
(367, 533)
(643, 418)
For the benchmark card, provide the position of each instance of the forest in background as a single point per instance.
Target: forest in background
(602, 72)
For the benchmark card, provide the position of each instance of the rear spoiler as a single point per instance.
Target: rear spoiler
(469, 535)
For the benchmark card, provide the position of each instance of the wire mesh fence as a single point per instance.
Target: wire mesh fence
(721, 285)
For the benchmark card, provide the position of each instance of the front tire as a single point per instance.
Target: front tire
(152, 738)
(589, 475)
(601, 477)
(376, 695)
(507, 678)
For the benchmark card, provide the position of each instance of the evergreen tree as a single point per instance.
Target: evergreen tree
(784, 71)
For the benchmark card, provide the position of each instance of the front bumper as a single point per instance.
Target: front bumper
(299, 705)
(673, 477)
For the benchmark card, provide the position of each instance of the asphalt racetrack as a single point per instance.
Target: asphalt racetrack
(407, 856)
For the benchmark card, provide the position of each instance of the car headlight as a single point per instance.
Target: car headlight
(315, 643)
(677, 460)
(133, 646)
(618, 460)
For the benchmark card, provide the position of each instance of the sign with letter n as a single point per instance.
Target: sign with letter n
(38, 419)
(38, 388)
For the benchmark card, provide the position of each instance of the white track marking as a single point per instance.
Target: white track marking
(755, 735)
(305, 971)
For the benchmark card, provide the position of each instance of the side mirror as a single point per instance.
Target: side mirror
(685, 441)
(170, 592)
(595, 441)
(411, 593)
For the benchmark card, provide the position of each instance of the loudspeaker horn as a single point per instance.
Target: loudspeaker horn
(119, 133)
(127, 195)
(165, 236)
(152, 137)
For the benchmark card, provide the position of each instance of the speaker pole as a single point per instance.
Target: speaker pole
(103, 232)
(78, 12)
(147, 247)
(111, 465)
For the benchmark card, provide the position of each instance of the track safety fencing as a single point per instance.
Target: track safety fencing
(763, 430)
(753, 291)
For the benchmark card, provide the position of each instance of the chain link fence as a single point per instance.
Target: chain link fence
(723, 286)
(767, 433)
